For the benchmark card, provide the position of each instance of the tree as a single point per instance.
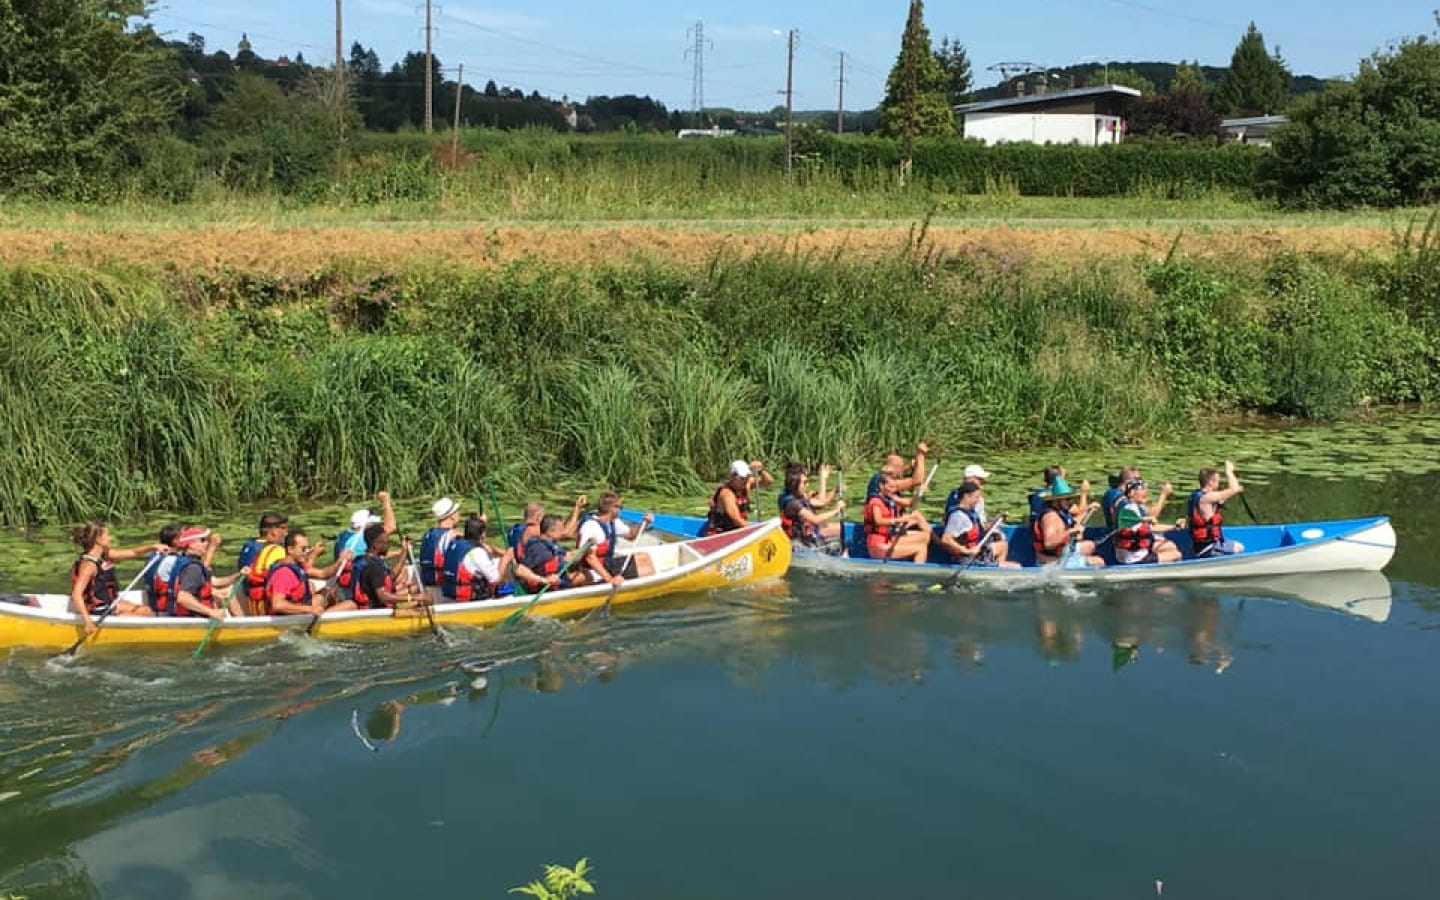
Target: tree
(956, 63)
(82, 97)
(492, 89)
(1371, 141)
(1257, 83)
(1123, 77)
(915, 103)
(1189, 80)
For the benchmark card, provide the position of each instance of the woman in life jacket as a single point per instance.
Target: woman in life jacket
(1057, 526)
(601, 532)
(1205, 513)
(94, 590)
(964, 529)
(730, 504)
(890, 532)
(287, 586)
(799, 509)
(1137, 539)
(192, 586)
(544, 560)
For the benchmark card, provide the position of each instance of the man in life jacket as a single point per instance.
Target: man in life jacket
(287, 585)
(600, 532)
(378, 584)
(435, 542)
(890, 532)
(976, 475)
(191, 584)
(1036, 498)
(965, 527)
(730, 504)
(1205, 513)
(1137, 538)
(895, 466)
(544, 559)
(1057, 526)
(259, 555)
(161, 564)
(1114, 495)
(801, 512)
(529, 526)
(361, 519)
(474, 570)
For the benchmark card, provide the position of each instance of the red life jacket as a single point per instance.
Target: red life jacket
(605, 550)
(172, 591)
(878, 505)
(255, 583)
(471, 585)
(102, 591)
(362, 599)
(1139, 537)
(1037, 532)
(1204, 530)
(717, 520)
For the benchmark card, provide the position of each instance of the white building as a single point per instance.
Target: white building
(1251, 129)
(1090, 116)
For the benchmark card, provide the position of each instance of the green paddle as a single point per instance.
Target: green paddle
(520, 613)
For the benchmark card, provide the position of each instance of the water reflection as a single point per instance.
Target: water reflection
(92, 745)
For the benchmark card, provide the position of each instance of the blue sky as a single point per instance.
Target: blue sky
(639, 46)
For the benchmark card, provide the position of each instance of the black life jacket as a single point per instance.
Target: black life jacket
(795, 526)
(717, 520)
(1037, 531)
(103, 590)
(1204, 530)
(205, 596)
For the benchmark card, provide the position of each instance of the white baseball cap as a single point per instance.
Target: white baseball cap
(740, 469)
(976, 472)
(362, 517)
(444, 508)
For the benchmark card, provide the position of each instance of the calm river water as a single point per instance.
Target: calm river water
(819, 738)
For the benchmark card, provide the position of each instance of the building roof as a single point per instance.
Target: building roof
(1104, 90)
(1247, 121)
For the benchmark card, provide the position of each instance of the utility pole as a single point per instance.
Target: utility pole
(341, 96)
(429, 72)
(840, 110)
(697, 79)
(455, 127)
(339, 46)
(789, 98)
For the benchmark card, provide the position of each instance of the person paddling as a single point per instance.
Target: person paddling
(191, 583)
(544, 560)
(474, 570)
(895, 466)
(965, 527)
(1056, 527)
(435, 543)
(529, 526)
(287, 585)
(161, 564)
(1206, 513)
(800, 509)
(1137, 538)
(94, 590)
(378, 584)
(258, 556)
(888, 528)
(599, 532)
(1115, 495)
(730, 504)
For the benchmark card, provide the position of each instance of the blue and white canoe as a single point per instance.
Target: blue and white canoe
(1296, 548)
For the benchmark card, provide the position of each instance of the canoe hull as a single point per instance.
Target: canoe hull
(1364, 545)
(760, 552)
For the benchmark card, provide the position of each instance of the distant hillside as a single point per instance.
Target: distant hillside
(1159, 73)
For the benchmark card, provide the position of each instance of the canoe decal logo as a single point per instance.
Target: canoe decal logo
(737, 569)
(767, 550)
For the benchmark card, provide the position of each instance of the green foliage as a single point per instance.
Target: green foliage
(1189, 80)
(81, 95)
(916, 102)
(560, 883)
(1256, 82)
(1374, 141)
(1124, 77)
(956, 63)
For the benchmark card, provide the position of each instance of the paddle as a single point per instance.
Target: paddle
(954, 579)
(1069, 551)
(504, 532)
(425, 599)
(520, 613)
(214, 623)
(1248, 511)
(100, 622)
(329, 583)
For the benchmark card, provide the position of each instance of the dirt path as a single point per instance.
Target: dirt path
(298, 249)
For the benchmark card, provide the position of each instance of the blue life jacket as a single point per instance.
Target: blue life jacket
(432, 554)
(205, 596)
(608, 553)
(952, 502)
(873, 490)
(1109, 503)
(248, 551)
(1037, 502)
(450, 570)
(517, 531)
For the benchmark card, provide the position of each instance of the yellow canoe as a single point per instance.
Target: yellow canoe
(760, 551)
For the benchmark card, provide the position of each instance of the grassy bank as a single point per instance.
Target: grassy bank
(127, 387)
